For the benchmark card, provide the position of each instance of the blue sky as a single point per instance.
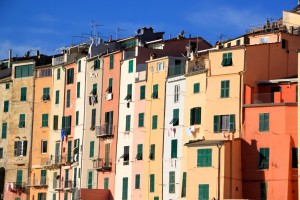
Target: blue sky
(48, 25)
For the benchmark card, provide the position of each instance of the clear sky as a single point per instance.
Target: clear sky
(48, 25)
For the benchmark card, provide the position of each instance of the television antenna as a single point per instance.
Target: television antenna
(118, 32)
(93, 27)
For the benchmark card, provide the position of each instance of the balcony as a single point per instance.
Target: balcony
(196, 67)
(105, 131)
(38, 182)
(176, 70)
(52, 162)
(70, 185)
(102, 164)
(16, 187)
(271, 98)
(68, 159)
(58, 185)
(59, 60)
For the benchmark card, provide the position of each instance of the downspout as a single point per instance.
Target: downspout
(163, 139)
(31, 130)
(219, 145)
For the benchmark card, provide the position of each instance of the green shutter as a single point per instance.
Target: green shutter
(141, 119)
(94, 91)
(93, 121)
(130, 67)
(154, 122)
(90, 180)
(69, 158)
(63, 123)
(22, 121)
(79, 66)
(183, 190)
(57, 152)
(296, 93)
(75, 177)
(196, 88)
(152, 152)
(172, 182)
(264, 158)
(111, 61)
(195, 116)
(174, 148)
(110, 82)
(54, 196)
(54, 180)
(225, 89)
(44, 120)
(77, 118)
(78, 89)
(216, 123)
(142, 92)
(129, 89)
(263, 191)
(128, 118)
(106, 183)
(137, 181)
(175, 120)
(68, 98)
(152, 182)
(204, 157)
(43, 177)
(6, 106)
(203, 192)
(58, 74)
(224, 59)
(294, 157)
(156, 198)
(4, 130)
(92, 147)
(229, 59)
(232, 123)
(139, 152)
(57, 97)
(155, 91)
(125, 189)
(107, 153)
(7, 86)
(263, 122)
(192, 116)
(19, 176)
(55, 122)
(23, 94)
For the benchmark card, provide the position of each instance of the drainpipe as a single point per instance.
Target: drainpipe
(31, 132)
(219, 145)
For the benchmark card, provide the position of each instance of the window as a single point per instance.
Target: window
(228, 45)
(1, 153)
(264, 158)
(23, 71)
(7, 86)
(238, 42)
(263, 191)
(90, 179)
(20, 148)
(195, 116)
(129, 92)
(96, 64)
(196, 88)
(92, 147)
(44, 120)
(66, 195)
(155, 92)
(154, 122)
(55, 122)
(76, 149)
(126, 155)
(111, 61)
(69, 155)
(128, 118)
(79, 66)
(78, 90)
(175, 120)
(22, 121)
(74, 178)
(152, 177)
(70, 76)
(160, 66)
(152, 152)
(137, 181)
(43, 146)
(142, 92)
(204, 157)
(77, 118)
(139, 155)
(68, 98)
(66, 124)
(106, 183)
(43, 177)
(46, 94)
(176, 93)
(41, 196)
(294, 157)
(109, 122)
(23, 94)
(203, 192)
(94, 91)
(174, 148)
(130, 66)
(141, 119)
(227, 59)
(224, 123)
(4, 130)
(183, 189)
(6, 106)
(172, 182)
(225, 89)
(93, 121)
(58, 74)
(263, 40)
(125, 189)
(57, 97)
(110, 85)
(107, 154)
(263, 122)
(156, 198)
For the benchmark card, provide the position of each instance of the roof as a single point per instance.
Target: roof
(204, 142)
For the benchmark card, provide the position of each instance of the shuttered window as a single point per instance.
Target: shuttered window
(23, 96)
(6, 106)
(19, 177)
(22, 121)
(70, 76)
(137, 181)
(155, 92)
(204, 157)
(195, 116)
(78, 90)
(46, 94)
(196, 88)
(141, 119)
(43, 177)
(111, 61)
(154, 122)
(294, 157)
(203, 192)
(142, 92)
(58, 74)
(183, 189)
(139, 155)
(90, 180)
(94, 91)
(7, 86)
(175, 120)
(4, 130)
(174, 148)
(125, 189)
(106, 183)
(224, 123)
(24, 71)
(57, 97)
(107, 153)
(172, 182)
(68, 103)
(263, 191)
(130, 66)
(128, 118)
(225, 89)
(69, 157)
(93, 120)
(129, 92)
(264, 154)
(263, 122)
(152, 182)
(96, 64)
(227, 59)
(44, 120)
(152, 152)
(92, 147)
(55, 122)
(77, 118)
(54, 180)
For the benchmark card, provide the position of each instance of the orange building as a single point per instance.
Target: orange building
(270, 141)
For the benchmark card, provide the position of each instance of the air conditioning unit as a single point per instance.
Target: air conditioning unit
(108, 96)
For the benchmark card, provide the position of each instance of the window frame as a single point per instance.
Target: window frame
(44, 144)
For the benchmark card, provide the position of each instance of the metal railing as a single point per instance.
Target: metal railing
(42, 181)
(105, 130)
(102, 164)
(176, 70)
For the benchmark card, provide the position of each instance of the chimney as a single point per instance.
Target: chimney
(9, 57)
(37, 52)
(110, 38)
(152, 56)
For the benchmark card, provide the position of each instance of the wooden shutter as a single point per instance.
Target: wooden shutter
(90, 180)
(78, 90)
(232, 123)
(183, 189)
(58, 74)
(137, 181)
(154, 122)
(128, 118)
(106, 183)
(130, 67)
(172, 182)
(203, 191)
(19, 176)
(4, 130)
(216, 124)
(152, 152)
(69, 151)
(57, 97)
(196, 87)
(152, 182)
(107, 153)
(111, 61)
(93, 121)
(174, 148)
(92, 146)
(142, 92)
(125, 189)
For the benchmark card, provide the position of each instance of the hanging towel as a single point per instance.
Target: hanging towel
(189, 131)
(62, 135)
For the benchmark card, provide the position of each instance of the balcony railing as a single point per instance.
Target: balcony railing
(59, 60)
(70, 185)
(38, 182)
(17, 186)
(102, 164)
(176, 70)
(105, 130)
(196, 68)
(276, 97)
(52, 161)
